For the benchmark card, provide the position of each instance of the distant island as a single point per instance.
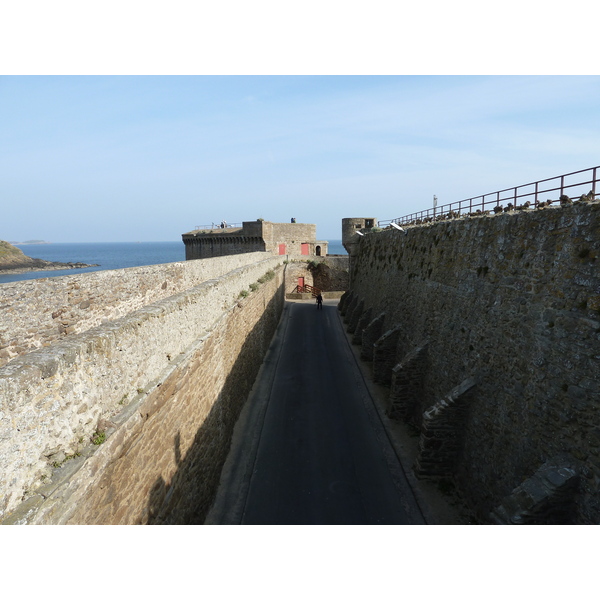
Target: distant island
(29, 242)
(12, 260)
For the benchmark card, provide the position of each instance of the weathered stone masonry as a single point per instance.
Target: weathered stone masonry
(35, 314)
(293, 239)
(497, 357)
(163, 385)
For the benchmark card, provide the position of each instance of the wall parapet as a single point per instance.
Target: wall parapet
(53, 400)
(36, 313)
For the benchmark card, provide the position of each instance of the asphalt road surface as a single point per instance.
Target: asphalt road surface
(309, 447)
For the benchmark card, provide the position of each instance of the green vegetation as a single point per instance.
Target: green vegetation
(56, 464)
(315, 267)
(270, 274)
(99, 438)
(10, 254)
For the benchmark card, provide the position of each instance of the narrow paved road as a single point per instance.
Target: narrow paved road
(309, 447)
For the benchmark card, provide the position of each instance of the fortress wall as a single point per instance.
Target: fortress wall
(293, 235)
(513, 301)
(164, 383)
(295, 269)
(329, 273)
(38, 312)
(208, 246)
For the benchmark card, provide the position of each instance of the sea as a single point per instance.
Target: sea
(110, 255)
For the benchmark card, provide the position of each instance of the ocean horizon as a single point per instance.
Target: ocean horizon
(109, 256)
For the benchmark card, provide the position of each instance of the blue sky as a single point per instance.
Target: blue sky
(147, 158)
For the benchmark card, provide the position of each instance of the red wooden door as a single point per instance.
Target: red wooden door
(281, 249)
(304, 249)
(301, 282)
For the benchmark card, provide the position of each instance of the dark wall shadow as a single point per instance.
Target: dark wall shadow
(187, 500)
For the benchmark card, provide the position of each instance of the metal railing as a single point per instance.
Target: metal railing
(306, 289)
(529, 195)
(218, 226)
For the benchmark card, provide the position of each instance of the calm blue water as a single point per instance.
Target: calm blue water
(111, 255)
(335, 247)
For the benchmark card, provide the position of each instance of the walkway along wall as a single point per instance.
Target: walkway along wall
(487, 331)
(130, 421)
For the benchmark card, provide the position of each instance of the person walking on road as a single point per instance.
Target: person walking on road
(319, 301)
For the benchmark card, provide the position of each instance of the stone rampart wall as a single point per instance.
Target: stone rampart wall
(290, 234)
(208, 246)
(158, 390)
(38, 312)
(508, 308)
(328, 273)
(331, 273)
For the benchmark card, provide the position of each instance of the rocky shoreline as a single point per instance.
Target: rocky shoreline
(38, 264)
(14, 262)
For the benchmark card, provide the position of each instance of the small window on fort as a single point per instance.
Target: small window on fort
(368, 222)
(358, 226)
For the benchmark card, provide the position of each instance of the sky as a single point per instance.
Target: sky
(147, 158)
(131, 121)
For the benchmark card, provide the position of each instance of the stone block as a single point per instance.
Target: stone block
(442, 433)
(406, 392)
(384, 356)
(546, 498)
(344, 301)
(355, 317)
(371, 333)
(354, 302)
(365, 318)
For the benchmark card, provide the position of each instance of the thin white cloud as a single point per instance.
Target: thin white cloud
(329, 145)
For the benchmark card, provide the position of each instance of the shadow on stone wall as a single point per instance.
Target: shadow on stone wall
(330, 274)
(188, 498)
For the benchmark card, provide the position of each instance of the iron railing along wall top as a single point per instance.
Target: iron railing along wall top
(529, 192)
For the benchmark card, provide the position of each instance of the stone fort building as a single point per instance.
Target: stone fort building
(291, 239)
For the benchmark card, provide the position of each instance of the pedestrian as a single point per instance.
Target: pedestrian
(319, 301)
